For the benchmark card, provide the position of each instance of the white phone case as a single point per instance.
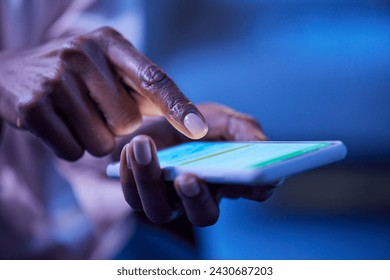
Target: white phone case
(267, 174)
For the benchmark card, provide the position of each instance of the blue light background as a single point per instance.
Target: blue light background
(307, 70)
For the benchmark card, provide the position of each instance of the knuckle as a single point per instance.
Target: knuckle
(30, 106)
(154, 79)
(75, 51)
(233, 126)
(106, 31)
(103, 36)
(163, 90)
(75, 44)
(24, 113)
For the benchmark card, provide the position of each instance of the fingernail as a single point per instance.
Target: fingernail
(195, 125)
(142, 151)
(190, 188)
(128, 161)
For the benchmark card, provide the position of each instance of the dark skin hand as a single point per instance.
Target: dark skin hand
(142, 178)
(78, 93)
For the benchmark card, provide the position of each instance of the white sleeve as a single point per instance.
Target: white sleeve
(126, 16)
(25, 24)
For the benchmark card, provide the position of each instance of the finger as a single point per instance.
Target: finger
(241, 127)
(119, 109)
(129, 186)
(149, 180)
(42, 120)
(201, 207)
(227, 124)
(256, 193)
(72, 101)
(153, 84)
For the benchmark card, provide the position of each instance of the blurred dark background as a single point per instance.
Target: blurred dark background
(307, 70)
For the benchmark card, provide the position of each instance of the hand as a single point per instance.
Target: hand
(77, 93)
(142, 179)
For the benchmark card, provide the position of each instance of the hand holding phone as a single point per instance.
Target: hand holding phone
(148, 187)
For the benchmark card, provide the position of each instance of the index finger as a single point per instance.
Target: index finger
(158, 93)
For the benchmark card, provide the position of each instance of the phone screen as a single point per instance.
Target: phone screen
(238, 155)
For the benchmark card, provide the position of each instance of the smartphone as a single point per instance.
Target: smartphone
(245, 163)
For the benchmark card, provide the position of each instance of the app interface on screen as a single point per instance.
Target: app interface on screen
(234, 155)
